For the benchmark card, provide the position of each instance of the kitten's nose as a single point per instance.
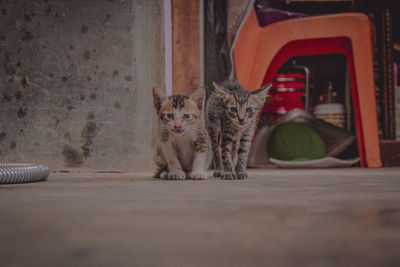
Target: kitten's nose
(241, 120)
(178, 126)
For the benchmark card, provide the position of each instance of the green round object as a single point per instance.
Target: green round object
(294, 140)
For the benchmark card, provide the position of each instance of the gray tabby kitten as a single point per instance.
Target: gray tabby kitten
(182, 145)
(231, 114)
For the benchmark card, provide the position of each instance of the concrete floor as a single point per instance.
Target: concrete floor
(336, 217)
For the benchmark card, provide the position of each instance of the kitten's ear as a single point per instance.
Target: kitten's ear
(220, 91)
(159, 97)
(262, 93)
(198, 97)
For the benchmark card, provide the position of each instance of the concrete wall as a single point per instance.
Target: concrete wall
(75, 82)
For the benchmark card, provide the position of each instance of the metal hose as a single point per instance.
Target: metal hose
(13, 173)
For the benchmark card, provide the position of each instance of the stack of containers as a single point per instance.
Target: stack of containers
(333, 113)
(287, 93)
(330, 110)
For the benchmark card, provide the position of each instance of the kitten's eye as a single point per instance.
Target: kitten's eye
(250, 110)
(187, 116)
(233, 109)
(169, 116)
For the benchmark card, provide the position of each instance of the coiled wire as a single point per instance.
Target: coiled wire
(13, 173)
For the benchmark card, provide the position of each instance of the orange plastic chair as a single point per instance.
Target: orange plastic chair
(259, 52)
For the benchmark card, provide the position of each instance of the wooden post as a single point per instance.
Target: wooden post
(185, 46)
(389, 129)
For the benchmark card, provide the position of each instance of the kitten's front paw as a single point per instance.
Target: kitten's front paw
(217, 173)
(198, 175)
(241, 175)
(228, 176)
(176, 175)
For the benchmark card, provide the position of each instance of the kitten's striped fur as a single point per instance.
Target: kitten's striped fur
(231, 113)
(182, 145)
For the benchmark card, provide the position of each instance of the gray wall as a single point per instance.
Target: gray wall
(75, 82)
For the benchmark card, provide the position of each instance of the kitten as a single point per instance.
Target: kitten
(231, 113)
(182, 143)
